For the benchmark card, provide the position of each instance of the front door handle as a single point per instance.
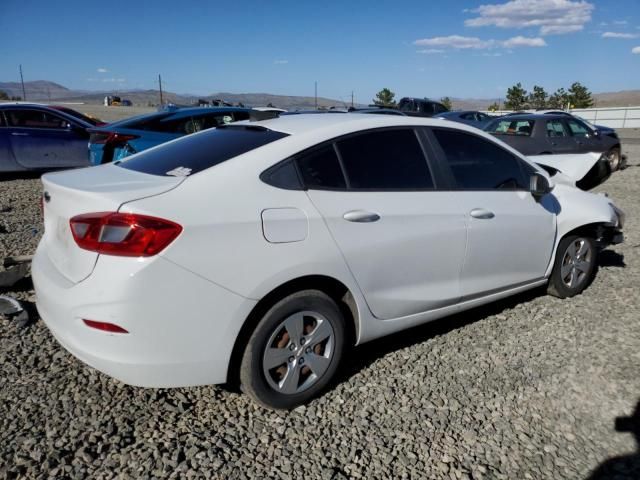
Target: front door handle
(19, 134)
(481, 213)
(361, 216)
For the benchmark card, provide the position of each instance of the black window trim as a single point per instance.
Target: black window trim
(442, 161)
(426, 152)
(60, 115)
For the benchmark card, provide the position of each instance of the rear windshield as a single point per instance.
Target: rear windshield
(195, 153)
(511, 127)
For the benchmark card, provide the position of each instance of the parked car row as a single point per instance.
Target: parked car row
(260, 252)
(40, 137)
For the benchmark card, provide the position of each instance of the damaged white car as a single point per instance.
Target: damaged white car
(584, 170)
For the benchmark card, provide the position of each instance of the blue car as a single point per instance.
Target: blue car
(36, 137)
(126, 137)
(468, 117)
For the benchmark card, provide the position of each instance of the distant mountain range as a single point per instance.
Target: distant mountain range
(43, 90)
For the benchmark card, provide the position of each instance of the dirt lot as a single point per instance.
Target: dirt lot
(528, 388)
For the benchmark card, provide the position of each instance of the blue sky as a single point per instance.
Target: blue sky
(415, 48)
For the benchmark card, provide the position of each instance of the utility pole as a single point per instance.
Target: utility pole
(24, 95)
(160, 84)
(351, 98)
(316, 103)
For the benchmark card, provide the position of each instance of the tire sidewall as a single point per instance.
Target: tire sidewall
(251, 373)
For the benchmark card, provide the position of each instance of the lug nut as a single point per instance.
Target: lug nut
(291, 359)
(302, 340)
(301, 361)
(308, 350)
(292, 346)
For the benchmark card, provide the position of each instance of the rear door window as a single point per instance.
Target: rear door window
(512, 127)
(195, 153)
(385, 160)
(320, 169)
(479, 164)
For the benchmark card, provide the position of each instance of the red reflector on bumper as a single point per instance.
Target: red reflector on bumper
(104, 326)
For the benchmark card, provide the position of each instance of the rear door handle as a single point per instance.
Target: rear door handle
(481, 213)
(361, 216)
(19, 134)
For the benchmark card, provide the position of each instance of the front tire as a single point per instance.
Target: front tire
(574, 267)
(294, 351)
(613, 156)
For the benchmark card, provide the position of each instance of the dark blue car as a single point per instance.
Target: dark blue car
(126, 137)
(36, 137)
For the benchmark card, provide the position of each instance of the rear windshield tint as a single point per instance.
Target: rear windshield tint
(195, 153)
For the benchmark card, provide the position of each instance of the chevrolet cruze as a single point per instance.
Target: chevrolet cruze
(260, 251)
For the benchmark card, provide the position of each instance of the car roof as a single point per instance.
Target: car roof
(305, 122)
(532, 116)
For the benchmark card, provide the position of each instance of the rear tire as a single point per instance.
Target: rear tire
(574, 266)
(294, 351)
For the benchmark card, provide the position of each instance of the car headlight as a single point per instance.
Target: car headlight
(619, 214)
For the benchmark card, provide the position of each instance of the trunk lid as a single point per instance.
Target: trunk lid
(97, 189)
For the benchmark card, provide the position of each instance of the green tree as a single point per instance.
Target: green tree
(494, 107)
(580, 96)
(516, 98)
(446, 102)
(538, 97)
(385, 98)
(559, 99)
(3, 95)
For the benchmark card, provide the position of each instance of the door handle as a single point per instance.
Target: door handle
(361, 216)
(19, 134)
(481, 214)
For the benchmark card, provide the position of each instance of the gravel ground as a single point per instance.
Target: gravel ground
(528, 388)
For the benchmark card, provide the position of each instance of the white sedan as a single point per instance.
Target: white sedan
(259, 251)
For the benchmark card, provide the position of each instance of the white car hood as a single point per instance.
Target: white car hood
(573, 165)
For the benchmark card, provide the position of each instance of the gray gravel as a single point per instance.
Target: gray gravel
(524, 389)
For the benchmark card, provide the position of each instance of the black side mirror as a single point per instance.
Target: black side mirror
(539, 185)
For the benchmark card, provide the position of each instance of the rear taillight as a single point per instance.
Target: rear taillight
(104, 326)
(100, 138)
(123, 234)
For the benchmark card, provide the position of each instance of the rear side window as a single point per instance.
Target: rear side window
(478, 164)
(195, 153)
(321, 168)
(387, 159)
(512, 127)
(3, 122)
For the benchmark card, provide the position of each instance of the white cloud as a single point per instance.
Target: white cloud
(454, 41)
(280, 62)
(620, 22)
(635, 50)
(521, 41)
(618, 35)
(102, 70)
(458, 42)
(496, 54)
(553, 17)
(431, 51)
(114, 80)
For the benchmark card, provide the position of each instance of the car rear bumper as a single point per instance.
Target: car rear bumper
(181, 327)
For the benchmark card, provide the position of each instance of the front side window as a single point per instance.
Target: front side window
(320, 168)
(35, 119)
(555, 128)
(385, 159)
(578, 129)
(478, 164)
